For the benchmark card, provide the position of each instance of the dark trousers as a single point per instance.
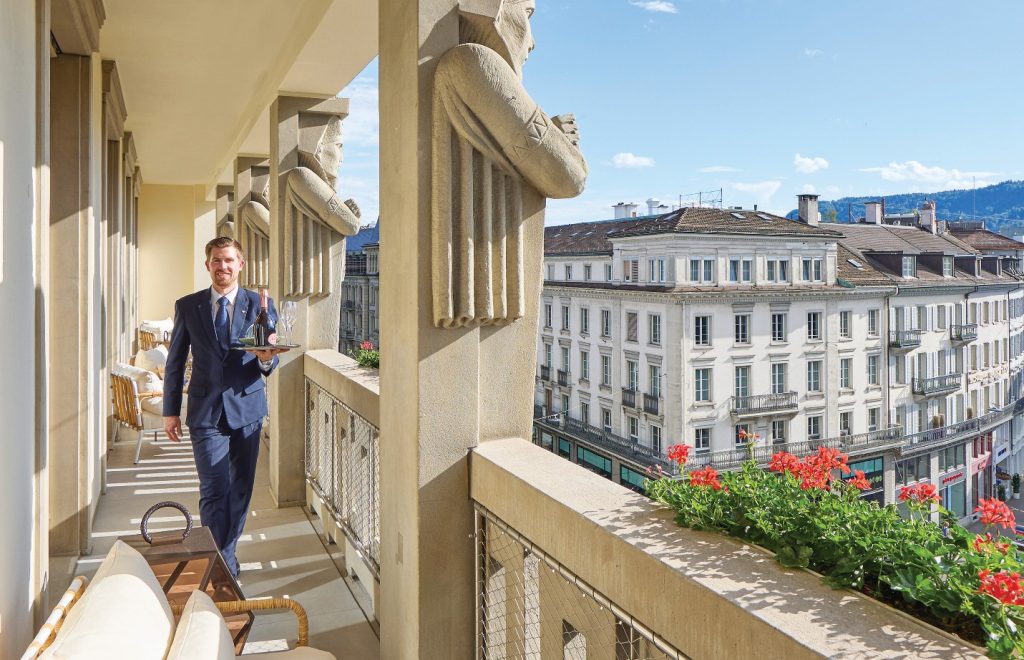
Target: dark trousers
(226, 463)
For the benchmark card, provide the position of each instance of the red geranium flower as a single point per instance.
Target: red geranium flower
(859, 481)
(919, 494)
(679, 453)
(366, 346)
(705, 477)
(784, 462)
(983, 543)
(994, 512)
(1004, 586)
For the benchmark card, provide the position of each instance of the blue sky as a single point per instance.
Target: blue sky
(763, 98)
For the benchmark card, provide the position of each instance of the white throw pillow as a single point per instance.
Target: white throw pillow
(146, 380)
(202, 633)
(155, 359)
(123, 614)
(158, 327)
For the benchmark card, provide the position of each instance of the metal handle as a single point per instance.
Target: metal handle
(144, 527)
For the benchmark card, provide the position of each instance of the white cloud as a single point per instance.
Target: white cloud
(760, 191)
(812, 52)
(659, 6)
(809, 188)
(917, 174)
(630, 160)
(809, 165)
(712, 169)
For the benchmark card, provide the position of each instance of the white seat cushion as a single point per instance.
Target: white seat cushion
(158, 327)
(202, 633)
(155, 359)
(123, 614)
(300, 653)
(147, 381)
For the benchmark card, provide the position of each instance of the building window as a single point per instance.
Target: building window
(742, 434)
(814, 427)
(565, 358)
(813, 325)
(702, 271)
(565, 403)
(565, 317)
(814, 376)
(742, 335)
(547, 355)
(632, 375)
(872, 370)
(845, 331)
(702, 330)
(872, 322)
(656, 438)
(873, 419)
(606, 370)
(740, 270)
(607, 272)
(568, 272)
(586, 272)
(631, 270)
(778, 326)
(585, 365)
(631, 323)
(947, 266)
(551, 271)
(702, 440)
(654, 374)
(657, 269)
(634, 429)
(606, 323)
(584, 320)
(778, 377)
(909, 266)
(547, 315)
(702, 385)
(812, 270)
(845, 367)
(654, 328)
(940, 317)
(778, 431)
(778, 270)
(846, 423)
(585, 412)
(742, 382)
(606, 419)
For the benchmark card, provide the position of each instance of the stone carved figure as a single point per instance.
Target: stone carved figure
(225, 214)
(313, 213)
(490, 140)
(254, 221)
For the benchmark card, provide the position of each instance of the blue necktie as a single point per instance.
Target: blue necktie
(220, 324)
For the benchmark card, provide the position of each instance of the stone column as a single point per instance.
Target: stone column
(226, 211)
(130, 245)
(251, 211)
(307, 265)
(446, 389)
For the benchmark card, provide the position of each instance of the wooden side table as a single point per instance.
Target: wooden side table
(184, 562)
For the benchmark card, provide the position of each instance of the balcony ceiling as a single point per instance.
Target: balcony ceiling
(199, 76)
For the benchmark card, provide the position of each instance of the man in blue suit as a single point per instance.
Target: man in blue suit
(227, 398)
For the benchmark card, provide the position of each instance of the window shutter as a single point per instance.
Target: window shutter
(631, 326)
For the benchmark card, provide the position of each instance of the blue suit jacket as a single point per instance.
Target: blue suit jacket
(230, 382)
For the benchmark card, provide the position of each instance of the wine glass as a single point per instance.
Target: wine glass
(286, 320)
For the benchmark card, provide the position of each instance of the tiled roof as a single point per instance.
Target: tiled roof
(898, 238)
(983, 239)
(724, 221)
(857, 269)
(584, 237)
(369, 235)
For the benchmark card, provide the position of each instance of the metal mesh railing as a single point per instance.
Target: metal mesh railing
(343, 466)
(531, 607)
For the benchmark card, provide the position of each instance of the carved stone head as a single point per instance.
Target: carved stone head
(501, 25)
(328, 150)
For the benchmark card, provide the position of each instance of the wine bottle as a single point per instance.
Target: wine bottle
(264, 331)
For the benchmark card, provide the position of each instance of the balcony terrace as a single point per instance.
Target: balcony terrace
(904, 339)
(563, 378)
(936, 385)
(964, 332)
(652, 404)
(629, 398)
(761, 405)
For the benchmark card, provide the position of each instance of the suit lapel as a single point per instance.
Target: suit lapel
(240, 315)
(206, 317)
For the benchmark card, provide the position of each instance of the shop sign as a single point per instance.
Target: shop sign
(1002, 452)
(952, 477)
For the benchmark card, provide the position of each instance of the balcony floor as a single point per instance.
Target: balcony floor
(280, 552)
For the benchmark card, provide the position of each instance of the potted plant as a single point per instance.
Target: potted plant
(1015, 482)
(1001, 492)
(367, 355)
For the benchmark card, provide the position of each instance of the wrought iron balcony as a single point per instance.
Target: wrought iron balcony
(937, 384)
(628, 397)
(904, 338)
(966, 332)
(545, 372)
(763, 404)
(563, 377)
(651, 404)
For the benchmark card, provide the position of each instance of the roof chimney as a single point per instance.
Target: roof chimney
(807, 206)
(873, 213)
(624, 210)
(927, 217)
(652, 206)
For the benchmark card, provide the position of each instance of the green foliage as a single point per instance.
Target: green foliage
(913, 563)
(1015, 482)
(367, 355)
(1001, 492)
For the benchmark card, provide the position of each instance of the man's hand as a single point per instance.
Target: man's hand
(172, 427)
(268, 354)
(567, 124)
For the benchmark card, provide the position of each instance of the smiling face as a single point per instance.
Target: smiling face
(224, 265)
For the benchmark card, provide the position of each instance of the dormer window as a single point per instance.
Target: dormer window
(630, 270)
(909, 266)
(740, 270)
(812, 270)
(947, 266)
(568, 272)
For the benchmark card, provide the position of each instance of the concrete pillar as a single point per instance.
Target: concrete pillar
(251, 210)
(296, 125)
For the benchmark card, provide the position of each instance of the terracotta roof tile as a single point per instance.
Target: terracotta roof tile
(983, 239)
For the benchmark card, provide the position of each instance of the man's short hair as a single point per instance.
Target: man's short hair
(223, 242)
